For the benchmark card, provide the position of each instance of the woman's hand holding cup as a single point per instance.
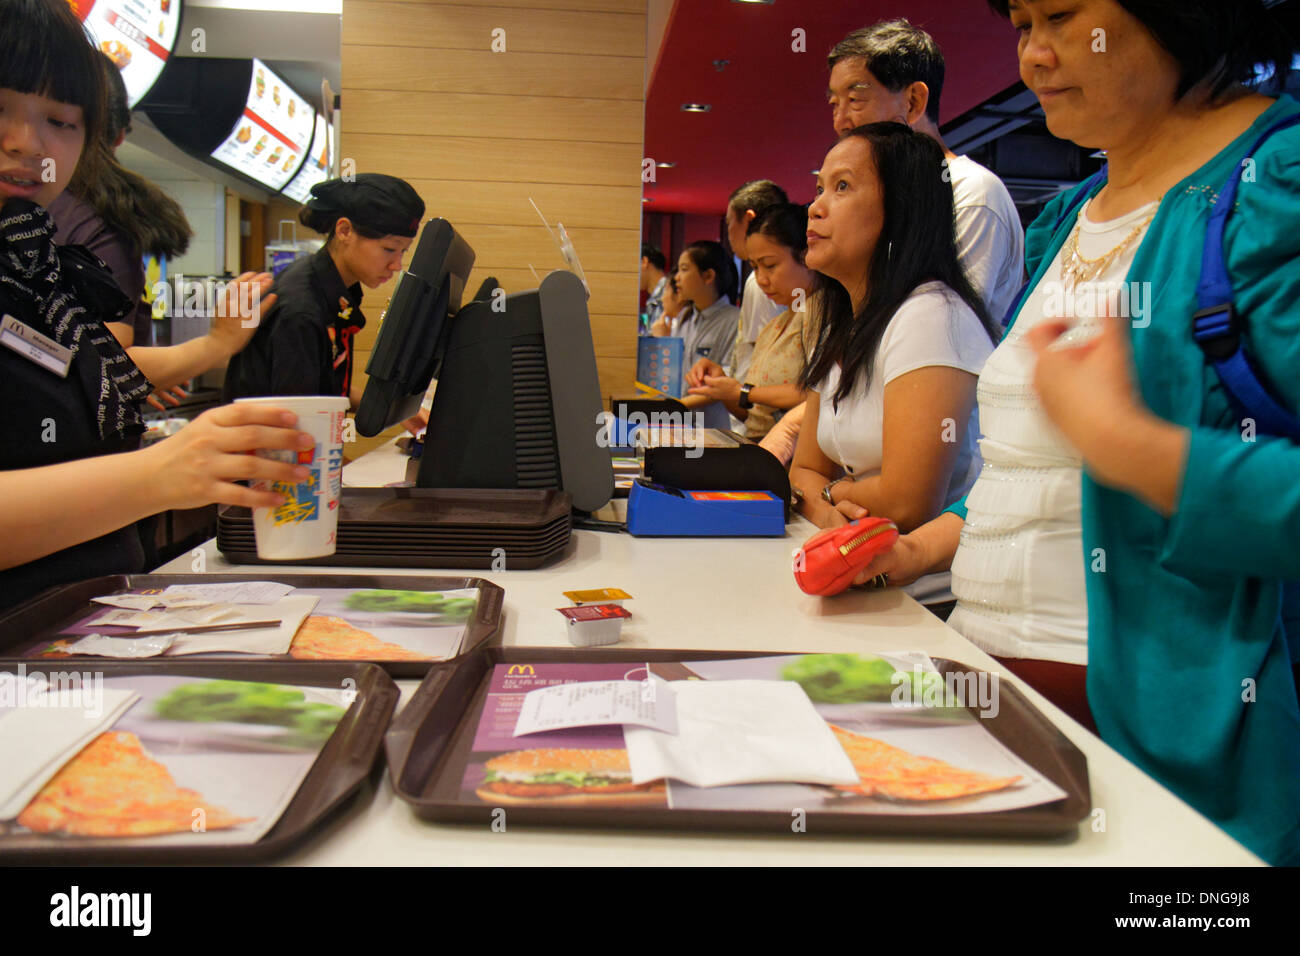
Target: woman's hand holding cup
(200, 464)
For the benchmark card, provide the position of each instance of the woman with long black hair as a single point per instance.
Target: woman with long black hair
(889, 428)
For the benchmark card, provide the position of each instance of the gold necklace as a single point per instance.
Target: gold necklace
(1075, 268)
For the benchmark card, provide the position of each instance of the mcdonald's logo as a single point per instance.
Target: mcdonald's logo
(521, 669)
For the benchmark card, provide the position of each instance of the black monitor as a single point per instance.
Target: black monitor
(412, 339)
(517, 403)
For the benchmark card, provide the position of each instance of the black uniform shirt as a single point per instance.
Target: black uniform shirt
(304, 345)
(48, 420)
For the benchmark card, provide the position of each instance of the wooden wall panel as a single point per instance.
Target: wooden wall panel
(595, 6)
(589, 119)
(557, 117)
(484, 159)
(463, 27)
(507, 204)
(431, 70)
(610, 295)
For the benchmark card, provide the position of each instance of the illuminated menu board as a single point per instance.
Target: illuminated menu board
(137, 35)
(272, 135)
(317, 167)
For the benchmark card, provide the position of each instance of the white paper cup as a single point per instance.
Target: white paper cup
(306, 525)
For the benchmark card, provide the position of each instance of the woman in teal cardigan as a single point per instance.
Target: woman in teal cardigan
(1195, 517)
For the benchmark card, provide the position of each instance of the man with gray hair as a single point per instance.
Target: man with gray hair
(894, 71)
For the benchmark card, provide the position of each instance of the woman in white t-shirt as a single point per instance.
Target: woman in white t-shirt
(889, 428)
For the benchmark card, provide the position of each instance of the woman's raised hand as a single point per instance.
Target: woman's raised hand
(200, 464)
(244, 303)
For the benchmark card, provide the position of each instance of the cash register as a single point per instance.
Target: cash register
(704, 482)
(511, 448)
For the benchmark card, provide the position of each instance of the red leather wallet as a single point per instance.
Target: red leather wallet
(831, 559)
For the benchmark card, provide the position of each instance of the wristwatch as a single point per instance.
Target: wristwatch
(826, 492)
(744, 396)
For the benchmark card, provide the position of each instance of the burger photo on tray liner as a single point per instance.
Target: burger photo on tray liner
(566, 777)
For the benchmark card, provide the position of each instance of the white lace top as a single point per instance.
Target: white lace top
(1018, 574)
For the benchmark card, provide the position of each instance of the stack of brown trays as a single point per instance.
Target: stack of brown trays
(498, 529)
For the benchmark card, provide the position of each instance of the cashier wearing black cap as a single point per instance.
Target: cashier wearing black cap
(304, 346)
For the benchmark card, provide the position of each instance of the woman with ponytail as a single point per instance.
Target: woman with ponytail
(304, 347)
(119, 215)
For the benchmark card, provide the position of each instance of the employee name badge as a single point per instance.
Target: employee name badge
(35, 347)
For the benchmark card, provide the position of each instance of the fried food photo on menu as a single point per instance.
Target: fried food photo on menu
(244, 135)
(568, 777)
(333, 639)
(114, 788)
(894, 774)
(117, 51)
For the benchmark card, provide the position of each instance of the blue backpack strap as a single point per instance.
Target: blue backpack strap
(1071, 209)
(1215, 326)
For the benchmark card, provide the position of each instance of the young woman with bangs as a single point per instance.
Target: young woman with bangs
(71, 484)
(776, 242)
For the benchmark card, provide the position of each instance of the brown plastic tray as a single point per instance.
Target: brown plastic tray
(430, 742)
(484, 559)
(416, 536)
(507, 508)
(350, 539)
(43, 617)
(348, 757)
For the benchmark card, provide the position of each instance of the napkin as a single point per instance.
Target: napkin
(47, 730)
(740, 731)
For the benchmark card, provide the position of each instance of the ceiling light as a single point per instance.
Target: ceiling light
(665, 165)
(765, 2)
(696, 107)
(646, 199)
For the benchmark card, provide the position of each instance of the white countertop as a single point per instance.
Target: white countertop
(739, 594)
